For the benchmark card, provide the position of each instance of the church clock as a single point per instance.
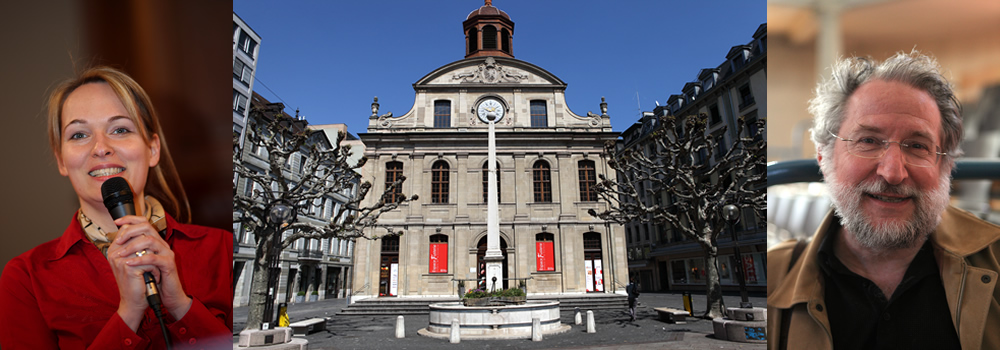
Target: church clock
(490, 109)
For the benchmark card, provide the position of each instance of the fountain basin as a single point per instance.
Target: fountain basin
(493, 322)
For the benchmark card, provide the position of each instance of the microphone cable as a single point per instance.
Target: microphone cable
(153, 298)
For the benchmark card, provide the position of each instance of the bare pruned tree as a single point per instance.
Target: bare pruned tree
(681, 166)
(324, 172)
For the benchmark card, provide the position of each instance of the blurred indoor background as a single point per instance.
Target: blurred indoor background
(806, 36)
(177, 50)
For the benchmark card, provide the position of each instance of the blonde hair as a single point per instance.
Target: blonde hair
(163, 182)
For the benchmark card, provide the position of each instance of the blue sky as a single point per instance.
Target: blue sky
(329, 58)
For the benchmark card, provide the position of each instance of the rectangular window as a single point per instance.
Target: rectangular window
(588, 180)
(543, 186)
(248, 187)
(539, 116)
(439, 182)
(544, 259)
(696, 270)
(237, 68)
(713, 113)
(746, 97)
(442, 114)
(247, 44)
(393, 171)
(239, 102)
(241, 72)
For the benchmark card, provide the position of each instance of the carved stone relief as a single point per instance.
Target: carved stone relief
(490, 72)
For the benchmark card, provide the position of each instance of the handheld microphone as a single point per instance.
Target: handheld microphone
(118, 197)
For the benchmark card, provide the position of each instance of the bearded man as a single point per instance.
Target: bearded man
(893, 266)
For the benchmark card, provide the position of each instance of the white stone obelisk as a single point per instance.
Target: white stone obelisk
(493, 258)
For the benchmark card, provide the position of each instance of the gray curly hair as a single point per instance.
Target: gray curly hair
(915, 69)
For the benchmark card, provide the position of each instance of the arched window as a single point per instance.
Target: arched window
(505, 40)
(439, 182)
(486, 187)
(473, 40)
(393, 172)
(543, 181)
(588, 180)
(438, 254)
(489, 38)
(544, 252)
(442, 114)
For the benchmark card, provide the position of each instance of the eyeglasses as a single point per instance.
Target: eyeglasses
(916, 152)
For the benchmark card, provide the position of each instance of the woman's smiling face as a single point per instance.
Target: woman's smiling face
(99, 141)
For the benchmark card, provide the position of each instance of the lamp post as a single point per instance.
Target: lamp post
(280, 212)
(732, 215)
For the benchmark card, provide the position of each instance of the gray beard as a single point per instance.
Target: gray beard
(879, 234)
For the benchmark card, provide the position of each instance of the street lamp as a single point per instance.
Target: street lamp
(732, 215)
(280, 212)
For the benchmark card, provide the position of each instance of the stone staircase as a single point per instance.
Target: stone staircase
(392, 306)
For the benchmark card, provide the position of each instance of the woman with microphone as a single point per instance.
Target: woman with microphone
(85, 289)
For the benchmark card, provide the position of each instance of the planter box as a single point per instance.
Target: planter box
(494, 301)
(476, 301)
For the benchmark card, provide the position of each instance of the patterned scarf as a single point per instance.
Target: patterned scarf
(154, 213)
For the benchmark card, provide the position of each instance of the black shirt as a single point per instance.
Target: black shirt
(916, 316)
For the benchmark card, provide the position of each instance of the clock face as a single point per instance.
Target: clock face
(490, 109)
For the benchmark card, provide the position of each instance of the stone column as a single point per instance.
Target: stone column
(494, 257)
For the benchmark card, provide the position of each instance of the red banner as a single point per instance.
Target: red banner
(439, 258)
(751, 272)
(544, 256)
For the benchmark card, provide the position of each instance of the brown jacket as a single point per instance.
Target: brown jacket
(966, 248)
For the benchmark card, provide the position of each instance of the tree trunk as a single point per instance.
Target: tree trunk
(713, 293)
(259, 284)
(258, 295)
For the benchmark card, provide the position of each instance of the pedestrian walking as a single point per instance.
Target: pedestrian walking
(633, 293)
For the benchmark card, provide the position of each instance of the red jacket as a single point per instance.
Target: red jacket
(62, 295)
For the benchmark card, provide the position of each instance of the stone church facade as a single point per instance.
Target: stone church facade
(548, 161)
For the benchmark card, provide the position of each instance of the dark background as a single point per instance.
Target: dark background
(176, 50)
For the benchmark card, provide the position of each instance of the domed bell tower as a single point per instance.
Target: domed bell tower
(488, 32)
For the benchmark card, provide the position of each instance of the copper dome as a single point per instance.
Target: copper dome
(487, 10)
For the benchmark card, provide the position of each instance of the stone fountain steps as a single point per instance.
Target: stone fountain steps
(419, 306)
(392, 306)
